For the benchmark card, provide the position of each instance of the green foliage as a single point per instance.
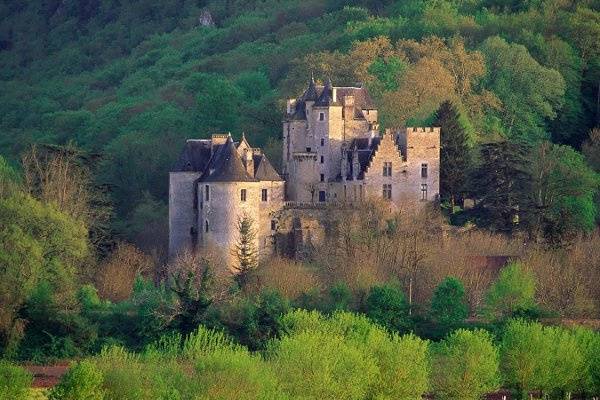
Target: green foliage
(502, 186)
(387, 306)
(512, 293)
(550, 359)
(530, 93)
(255, 321)
(14, 382)
(564, 190)
(83, 380)
(39, 246)
(245, 251)
(455, 159)
(465, 366)
(448, 304)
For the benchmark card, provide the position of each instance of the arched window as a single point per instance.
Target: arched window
(206, 226)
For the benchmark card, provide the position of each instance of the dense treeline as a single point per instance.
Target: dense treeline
(341, 356)
(97, 97)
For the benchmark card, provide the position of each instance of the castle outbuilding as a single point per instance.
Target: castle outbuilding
(333, 153)
(215, 182)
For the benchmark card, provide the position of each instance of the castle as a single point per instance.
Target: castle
(333, 154)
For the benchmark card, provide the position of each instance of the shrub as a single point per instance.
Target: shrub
(512, 293)
(448, 305)
(83, 381)
(236, 374)
(324, 366)
(386, 305)
(14, 382)
(465, 366)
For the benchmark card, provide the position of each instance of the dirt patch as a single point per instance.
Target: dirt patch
(46, 376)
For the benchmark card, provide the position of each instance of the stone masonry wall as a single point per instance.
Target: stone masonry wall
(182, 215)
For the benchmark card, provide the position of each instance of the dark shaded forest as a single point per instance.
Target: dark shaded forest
(98, 96)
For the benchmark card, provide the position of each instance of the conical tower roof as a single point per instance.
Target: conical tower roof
(226, 166)
(326, 97)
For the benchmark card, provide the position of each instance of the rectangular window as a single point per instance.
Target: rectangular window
(273, 224)
(206, 192)
(423, 191)
(263, 195)
(321, 116)
(387, 169)
(322, 142)
(387, 191)
(322, 159)
(243, 195)
(321, 195)
(423, 170)
(322, 177)
(308, 149)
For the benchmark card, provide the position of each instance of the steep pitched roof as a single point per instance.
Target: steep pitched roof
(263, 170)
(226, 166)
(326, 96)
(194, 157)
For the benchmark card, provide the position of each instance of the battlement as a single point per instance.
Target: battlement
(421, 129)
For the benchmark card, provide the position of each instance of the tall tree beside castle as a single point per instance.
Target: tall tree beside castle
(245, 250)
(502, 185)
(454, 153)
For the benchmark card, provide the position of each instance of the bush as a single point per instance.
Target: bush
(465, 366)
(324, 366)
(14, 382)
(83, 381)
(386, 305)
(236, 374)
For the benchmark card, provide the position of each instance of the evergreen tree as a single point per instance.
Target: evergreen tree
(245, 251)
(502, 185)
(448, 305)
(454, 154)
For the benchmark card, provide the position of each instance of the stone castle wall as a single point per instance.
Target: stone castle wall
(182, 214)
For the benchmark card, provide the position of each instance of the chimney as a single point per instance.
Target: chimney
(291, 103)
(248, 161)
(334, 94)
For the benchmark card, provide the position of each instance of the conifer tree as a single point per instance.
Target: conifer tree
(502, 185)
(245, 250)
(454, 154)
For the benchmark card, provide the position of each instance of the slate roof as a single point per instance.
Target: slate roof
(225, 164)
(326, 96)
(194, 157)
(364, 151)
(323, 97)
(263, 170)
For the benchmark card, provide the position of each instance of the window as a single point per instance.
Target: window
(206, 226)
(243, 195)
(322, 159)
(387, 191)
(423, 170)
(322, 177)
(321, 195)
(321, 116)
(264, 195)
(308, 149)
(273, 224)
(206, 192)
(423, 191)
(387, 169)
(322, 142)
